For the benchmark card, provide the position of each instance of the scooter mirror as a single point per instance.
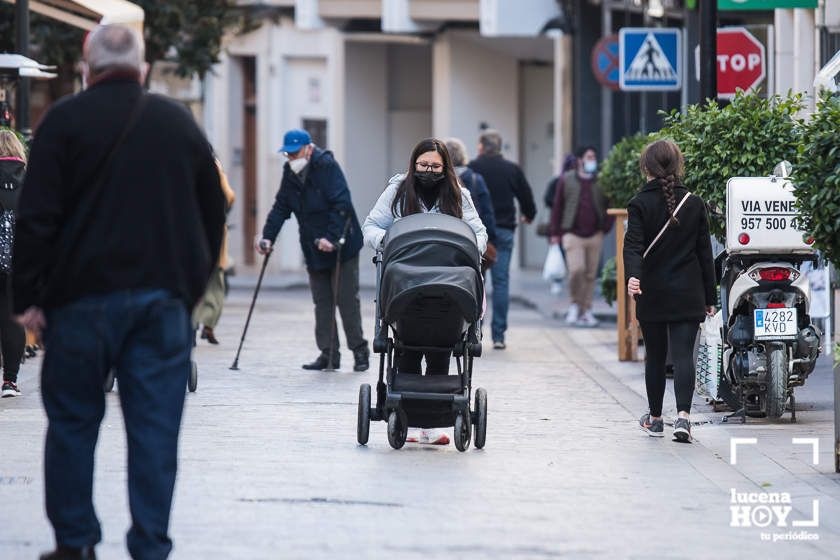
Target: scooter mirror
(783, 169)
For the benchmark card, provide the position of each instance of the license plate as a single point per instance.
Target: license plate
(775, 323)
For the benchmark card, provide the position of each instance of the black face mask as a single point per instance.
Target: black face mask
(429, 179)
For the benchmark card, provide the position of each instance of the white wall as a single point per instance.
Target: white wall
(409, 101)
(474, 85)
(387, 96)
(366, 132)
(537, 116)
(288, 62)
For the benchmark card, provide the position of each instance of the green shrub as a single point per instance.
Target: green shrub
(620, 176)
(746, 138)
(817, 178)
(608, 281)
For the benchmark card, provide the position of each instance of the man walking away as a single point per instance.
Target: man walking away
(119, 227)
(579, 221)
(506, 182)
(314, 188)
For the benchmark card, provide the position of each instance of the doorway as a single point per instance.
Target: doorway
(249, 157)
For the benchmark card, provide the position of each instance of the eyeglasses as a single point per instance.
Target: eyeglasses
(428, 166)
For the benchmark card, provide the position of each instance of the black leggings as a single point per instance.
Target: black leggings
(12, 335)
(437, 363)
(682, 336)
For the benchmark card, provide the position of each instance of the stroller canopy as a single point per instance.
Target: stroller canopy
(430, 258)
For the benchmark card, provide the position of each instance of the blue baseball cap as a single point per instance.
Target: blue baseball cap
(294, 140)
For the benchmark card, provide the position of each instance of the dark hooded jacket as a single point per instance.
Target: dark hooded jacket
(321, 202)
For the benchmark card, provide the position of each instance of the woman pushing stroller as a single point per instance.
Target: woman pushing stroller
(429, 186)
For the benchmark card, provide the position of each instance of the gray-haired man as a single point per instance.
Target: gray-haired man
(506, 182)
(119, 227)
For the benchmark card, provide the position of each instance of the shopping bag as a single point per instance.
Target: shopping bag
(555, 264)
(709, 357)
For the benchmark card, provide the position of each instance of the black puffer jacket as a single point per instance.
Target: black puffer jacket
(678, 276)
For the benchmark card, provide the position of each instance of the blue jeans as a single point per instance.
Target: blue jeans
(146, 337)
(500, 273)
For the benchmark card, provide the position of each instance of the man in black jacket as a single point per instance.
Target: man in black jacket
(314, 188)
(119, 227)
(506, 182)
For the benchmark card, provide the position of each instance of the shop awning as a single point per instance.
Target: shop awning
(87, 14)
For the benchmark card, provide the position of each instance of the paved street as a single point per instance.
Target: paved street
(269, 466)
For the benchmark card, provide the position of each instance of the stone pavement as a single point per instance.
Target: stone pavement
(269, 466)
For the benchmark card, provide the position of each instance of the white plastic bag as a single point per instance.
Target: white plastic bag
(555, 264)
(709, 357)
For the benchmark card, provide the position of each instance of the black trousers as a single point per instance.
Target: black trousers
(437, 363)
(682, 336)
(321, 283)
(12, 335)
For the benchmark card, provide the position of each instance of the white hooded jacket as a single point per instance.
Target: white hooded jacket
(381, 217)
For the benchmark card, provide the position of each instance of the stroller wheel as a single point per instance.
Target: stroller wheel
(397, 432)
(463, 429)
(109, 382)
(363, 421)
(480, 418)
(192, 382)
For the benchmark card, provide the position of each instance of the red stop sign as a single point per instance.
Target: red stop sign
(741, 61)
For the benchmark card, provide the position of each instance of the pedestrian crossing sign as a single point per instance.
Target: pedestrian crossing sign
(650, 59)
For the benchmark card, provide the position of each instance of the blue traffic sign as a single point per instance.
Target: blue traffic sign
(650, 59)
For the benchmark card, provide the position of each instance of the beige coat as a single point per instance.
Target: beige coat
(230, 196)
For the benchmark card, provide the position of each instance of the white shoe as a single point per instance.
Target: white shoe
(428, 437)
(573, 314)
(10, 389)
(556, 288)
(415, 435)
(588, 320)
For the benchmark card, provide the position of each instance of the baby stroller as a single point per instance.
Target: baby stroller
(429, 296)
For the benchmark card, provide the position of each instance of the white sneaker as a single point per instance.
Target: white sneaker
(588, 320)
(573, 314)
(428, 437)
(9, 389)
(556, 287)
(415, 435)
(435, 437)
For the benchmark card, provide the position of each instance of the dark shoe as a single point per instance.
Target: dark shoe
(68, 553)
(9, 389)
(361, 358)
(321, 363)
(654, 428)
(208, 335)
(682, 430)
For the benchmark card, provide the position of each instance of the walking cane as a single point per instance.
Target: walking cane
(235, 365)
(335, 294)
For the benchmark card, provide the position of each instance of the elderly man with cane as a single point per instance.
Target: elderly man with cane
(315, 190)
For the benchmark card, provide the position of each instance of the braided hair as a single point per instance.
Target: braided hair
(663, 161)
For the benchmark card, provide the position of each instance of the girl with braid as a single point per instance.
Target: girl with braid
(670, 272)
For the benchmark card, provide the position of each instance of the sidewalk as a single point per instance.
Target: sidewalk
(269, 467)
